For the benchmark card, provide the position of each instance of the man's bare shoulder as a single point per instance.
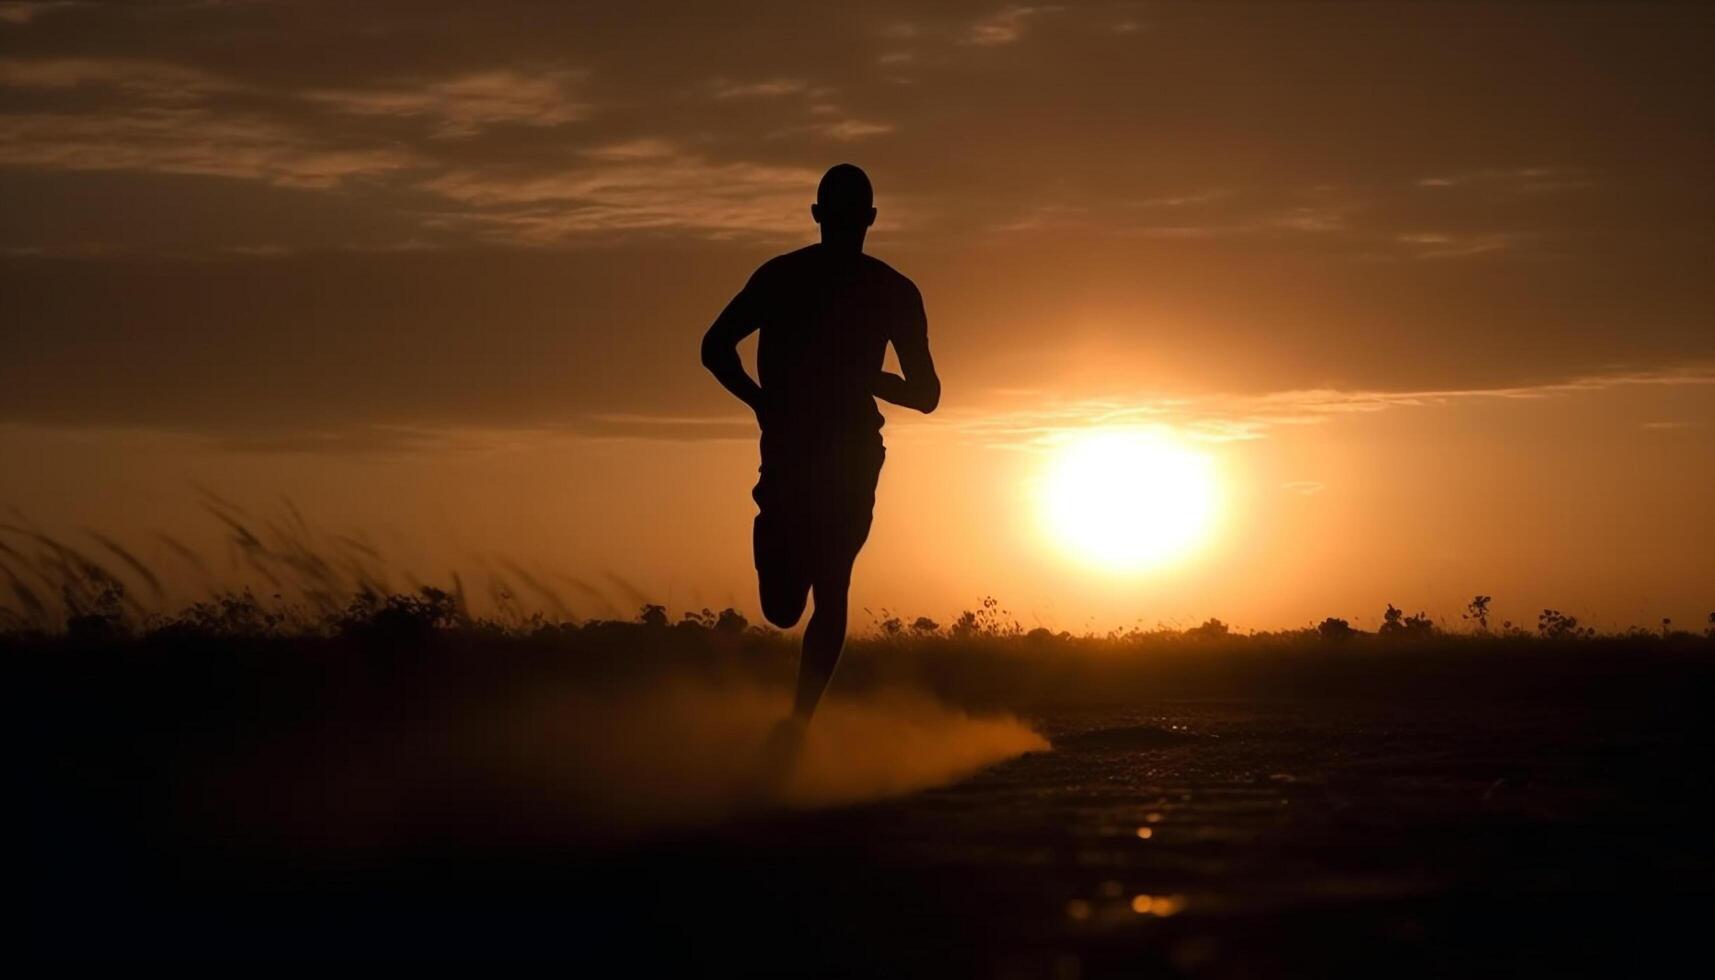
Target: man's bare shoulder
(784, 262)
(893, 278)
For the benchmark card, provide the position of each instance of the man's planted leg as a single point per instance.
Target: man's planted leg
(823, 639)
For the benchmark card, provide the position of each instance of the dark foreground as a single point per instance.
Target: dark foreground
(1455, 828)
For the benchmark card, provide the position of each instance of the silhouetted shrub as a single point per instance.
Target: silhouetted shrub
(699, 620)
(652, 615)
(731, 621)
(232, 614)
(1477, 610)
(1335, 629)
(96, 613)
(1397, 625)
(398, 617)
(965, 626)
(1213, 629)
(988, 619)
(1553, 624)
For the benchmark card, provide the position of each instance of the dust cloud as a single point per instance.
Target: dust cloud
(685, 754)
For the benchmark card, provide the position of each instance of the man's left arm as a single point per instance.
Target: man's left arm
(917, 385)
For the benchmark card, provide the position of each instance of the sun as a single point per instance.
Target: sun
(1130, 500)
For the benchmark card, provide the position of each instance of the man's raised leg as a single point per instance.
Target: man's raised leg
(782, 577)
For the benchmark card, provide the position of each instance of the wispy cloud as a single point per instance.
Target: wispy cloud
(21, 12)
(1004, 26)
(467, 104)
(638, 186)
(177, 140)
(1046, 421)
(432, 440)
(1353, 221)
(161, 118)
(165, 118)
(1202, 214)
(1516, 179)
(722, 88)
(645, 148)
(133, 77)
(851, 130)
(670, 428)
(1450, 245)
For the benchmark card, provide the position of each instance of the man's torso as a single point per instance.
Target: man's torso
(825, 322)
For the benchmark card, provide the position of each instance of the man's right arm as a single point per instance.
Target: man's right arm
(720, 347)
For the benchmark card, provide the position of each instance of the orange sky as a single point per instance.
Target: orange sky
(1428, 282)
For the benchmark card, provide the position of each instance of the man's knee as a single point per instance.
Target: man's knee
(783, 603)
(831, 586)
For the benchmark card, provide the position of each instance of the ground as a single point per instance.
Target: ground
(316, 799)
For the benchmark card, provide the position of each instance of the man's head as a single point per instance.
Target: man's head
(845, 204)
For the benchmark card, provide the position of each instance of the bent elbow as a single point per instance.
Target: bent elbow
(931, 399)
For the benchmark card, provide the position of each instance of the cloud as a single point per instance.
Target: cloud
(183, 140)
(19, 12)
(1352, 221)
(851, 130)
(640, 186)
(1518, 179)
(1202, 214)
(1449, 245)
(646, 148)
(401, 440)
(465, 105)
(773, 88)
(667, 428)
(1304, 488)
(1005, 26)
(134, 77)
(1335, 401)
(161, 120)
(1248, 418)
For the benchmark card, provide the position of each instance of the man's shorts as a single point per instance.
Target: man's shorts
(814, 509)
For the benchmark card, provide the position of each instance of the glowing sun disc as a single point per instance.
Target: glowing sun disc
(1129, 500)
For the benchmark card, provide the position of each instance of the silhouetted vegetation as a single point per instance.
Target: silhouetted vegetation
(1477, 611)
(1556, 625)
(1335, 630)
(984, 658)
(1396, 624)
(327, 591)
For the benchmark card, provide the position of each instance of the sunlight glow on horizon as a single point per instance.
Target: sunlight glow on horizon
(1130, 500)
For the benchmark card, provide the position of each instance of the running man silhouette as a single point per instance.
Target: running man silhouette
(826, 314)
